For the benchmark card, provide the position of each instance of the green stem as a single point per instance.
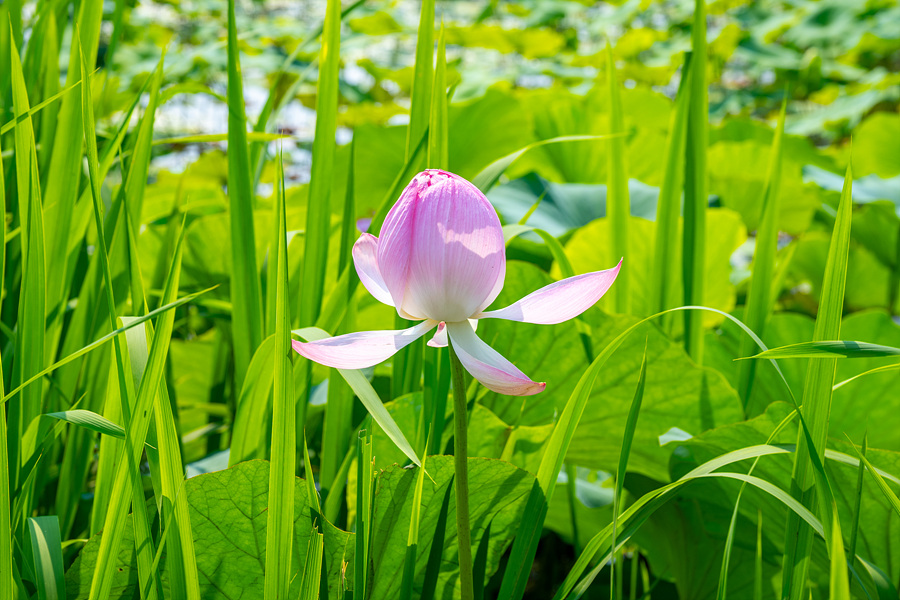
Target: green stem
(463, 533)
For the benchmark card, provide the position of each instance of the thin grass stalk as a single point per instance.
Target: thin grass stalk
(695, 188)
(318, 216)
(669, 206)
(461, 482)
(7, 585)
(618, 205)
(338, 421)
(365, 479)
(280, 519)
(861, 469)
(29, 353)
(245, 294)
(759, 295)
(624, 454)
(817, 393)
(571, 496)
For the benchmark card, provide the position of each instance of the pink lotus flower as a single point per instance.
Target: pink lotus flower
(441, 259)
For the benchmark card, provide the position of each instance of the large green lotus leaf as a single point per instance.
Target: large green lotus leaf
(498, 492)
(558, 113)
(678, 393)
(589, 250)
(531, 42)
(878, 525)
(796, 149)
(867, 277)
(565, 206)
(228, 517)
(737, 174)
(871, 143)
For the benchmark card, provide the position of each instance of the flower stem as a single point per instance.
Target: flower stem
(460, 455)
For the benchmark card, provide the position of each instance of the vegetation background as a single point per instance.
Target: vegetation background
(181, 183)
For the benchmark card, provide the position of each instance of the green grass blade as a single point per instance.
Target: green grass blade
(7, 585)
(318, 215)
(876, 474)
(46, 547)
(817, 394)
(412, 541)
(839, 580)
(90, 420)
(312, 566)
(830, 349)
(29, 353)
(438, 123)
(246, 316)
(280, 519)
(627, 439)
(759, 295)
(857, 503)
(479, 567)
(423, 76)
(758, 570)
(618, 204)
(695, 186)
(136, 432)
(365, 482)
(315, 509)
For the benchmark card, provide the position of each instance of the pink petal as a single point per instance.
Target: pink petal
(559, 301)
(459, 255)
(364, 257)
(487, 365)
(395, 244)
(362, 349)
(439, 339)
(441, 250)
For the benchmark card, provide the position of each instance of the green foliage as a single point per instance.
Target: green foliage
(168, 224)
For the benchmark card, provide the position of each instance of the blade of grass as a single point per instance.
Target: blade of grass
(839, 581)
(618, 204)
(817, 394)
(280, 519)
(889, 495)
(312, 566)
(182, 563)
(759, 294)
(438, 123)
(246, 316)
(29, 353)
(627, 439)
(90, 420)
(695, 186)
(423, 76)
(7, 585)
(479, 570)
(832, 349)
(412, 540)
(365, 482)
(861, 469)
(318, 216)
(758, 570)
(46, 548)
(338, 420)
